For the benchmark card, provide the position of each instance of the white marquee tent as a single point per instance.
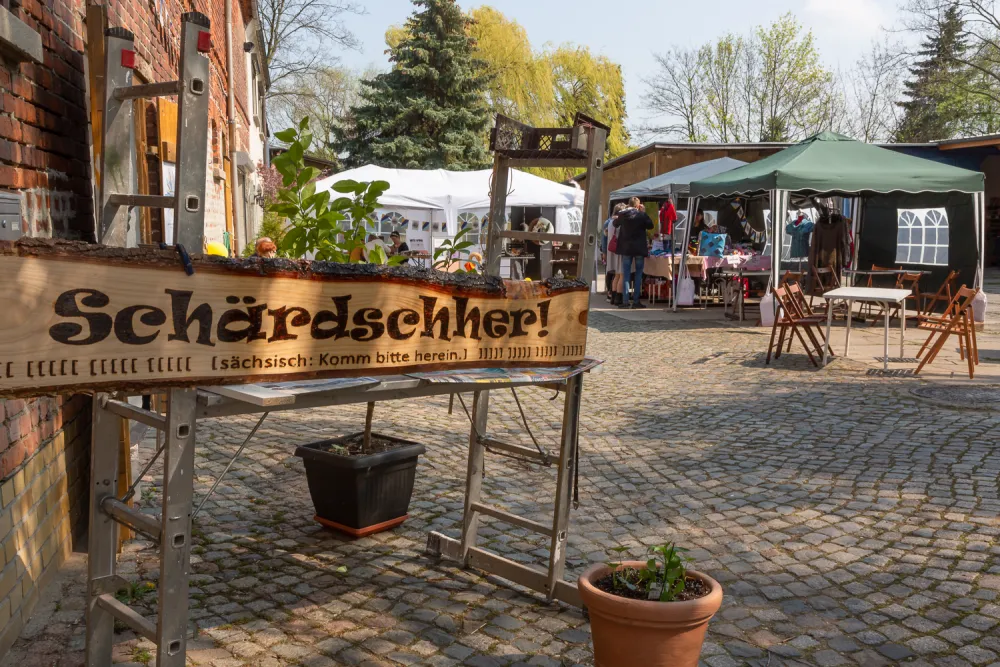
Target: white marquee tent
(438, 203)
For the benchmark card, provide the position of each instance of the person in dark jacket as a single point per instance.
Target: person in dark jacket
(633, 246)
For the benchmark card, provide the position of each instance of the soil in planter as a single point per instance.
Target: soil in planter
(693, 589)
(355, 446)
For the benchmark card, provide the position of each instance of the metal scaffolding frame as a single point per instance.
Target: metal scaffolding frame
(172, 529)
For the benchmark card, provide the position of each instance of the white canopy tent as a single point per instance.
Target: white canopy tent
(439, 202)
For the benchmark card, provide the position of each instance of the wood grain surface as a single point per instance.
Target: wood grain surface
(78, 316)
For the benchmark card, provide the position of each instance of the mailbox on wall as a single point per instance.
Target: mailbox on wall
(11, 228)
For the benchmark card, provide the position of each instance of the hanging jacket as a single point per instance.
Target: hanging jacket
(831, 243)
(800, 237)
(668, 216)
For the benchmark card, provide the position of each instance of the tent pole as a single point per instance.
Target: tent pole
(681, 271)
(855, 226)
(777, 218)
(978, 202)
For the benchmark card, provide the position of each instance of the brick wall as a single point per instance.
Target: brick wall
(43, 118)
(45, 154)
(44, 149)
(44, 470)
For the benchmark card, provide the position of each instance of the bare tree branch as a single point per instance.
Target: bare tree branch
(677, 92)
(300, 37)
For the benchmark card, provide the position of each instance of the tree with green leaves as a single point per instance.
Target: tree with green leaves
(968, 95)
(931, 80)
(428, 111)
(543, 88)
(766, 86)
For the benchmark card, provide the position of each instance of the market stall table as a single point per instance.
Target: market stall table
(879, 295)
(739, 302)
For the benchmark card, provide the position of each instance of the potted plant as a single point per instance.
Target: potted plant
(361, 483)
(650, 613)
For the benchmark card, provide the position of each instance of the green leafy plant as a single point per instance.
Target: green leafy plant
(334, 231)
(663, 577)
(273, 227)
(455, 250)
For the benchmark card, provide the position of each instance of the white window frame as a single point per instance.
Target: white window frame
(928, 247)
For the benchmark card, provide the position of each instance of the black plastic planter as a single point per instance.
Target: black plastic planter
(361, 495)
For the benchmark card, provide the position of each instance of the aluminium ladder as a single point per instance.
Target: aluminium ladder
(119, 170)
(518, 145)
(116, 227)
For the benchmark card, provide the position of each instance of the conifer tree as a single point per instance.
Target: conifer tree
(925, 117)
(428, 111)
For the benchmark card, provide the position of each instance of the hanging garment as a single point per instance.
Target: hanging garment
(831, 243)
(668, 216)
(799, 230)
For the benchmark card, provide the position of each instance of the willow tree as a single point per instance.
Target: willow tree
(544, 88)
(519, 83)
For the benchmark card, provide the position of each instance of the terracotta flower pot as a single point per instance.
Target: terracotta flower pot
(645, 633)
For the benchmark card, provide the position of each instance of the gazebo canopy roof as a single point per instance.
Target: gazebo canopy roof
(830, 163)
(677, 181)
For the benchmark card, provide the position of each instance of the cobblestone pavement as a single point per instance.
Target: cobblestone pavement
(849, 521)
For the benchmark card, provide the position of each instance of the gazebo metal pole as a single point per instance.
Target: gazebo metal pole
(681, 271)
(777, 217)
(979, 202)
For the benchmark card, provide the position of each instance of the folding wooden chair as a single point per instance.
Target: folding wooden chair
(910, 281)
(791, 320)
(871, 283)
(957, 320)
(823, 280)
(791, 277)
(943, 295)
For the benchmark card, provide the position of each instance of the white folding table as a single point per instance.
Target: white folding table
(879, 295)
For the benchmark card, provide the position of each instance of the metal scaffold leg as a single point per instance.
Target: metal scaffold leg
(175, 547)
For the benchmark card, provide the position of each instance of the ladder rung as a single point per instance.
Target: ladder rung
(165, 89)
(537, 236)
(512, 519)
(128, 616)
(148, 201)
(526, 452)
(128, 517)
(129, 411)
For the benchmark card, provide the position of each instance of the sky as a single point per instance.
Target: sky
(630, 31)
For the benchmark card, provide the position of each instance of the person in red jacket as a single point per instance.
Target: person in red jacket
(668, 216)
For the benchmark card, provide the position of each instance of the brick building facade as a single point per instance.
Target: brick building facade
(46, 162)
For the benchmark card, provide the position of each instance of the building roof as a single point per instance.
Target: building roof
(666, 145)
(276, 148)
(759, 145)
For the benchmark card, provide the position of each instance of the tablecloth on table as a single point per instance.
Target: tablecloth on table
(661, 266)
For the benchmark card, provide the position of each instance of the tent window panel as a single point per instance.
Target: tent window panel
(922, 236)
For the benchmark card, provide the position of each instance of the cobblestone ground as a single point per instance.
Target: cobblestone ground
(849, 522)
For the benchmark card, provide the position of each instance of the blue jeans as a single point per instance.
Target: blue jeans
(640, 262)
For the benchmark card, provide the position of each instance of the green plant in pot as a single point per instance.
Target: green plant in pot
(651, 613)
(359, 483)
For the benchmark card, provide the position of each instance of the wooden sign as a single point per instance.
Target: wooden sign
(77, 316)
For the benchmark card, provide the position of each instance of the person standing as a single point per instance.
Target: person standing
(613, 261)
(633, 246)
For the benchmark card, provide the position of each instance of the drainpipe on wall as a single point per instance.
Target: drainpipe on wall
(231, 112)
